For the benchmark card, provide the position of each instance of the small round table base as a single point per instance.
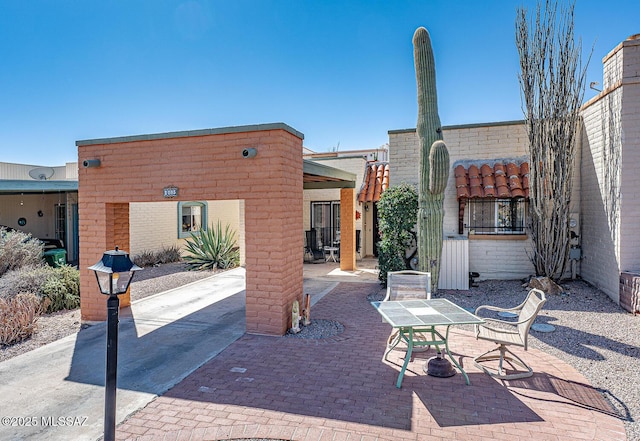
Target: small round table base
(439, 367)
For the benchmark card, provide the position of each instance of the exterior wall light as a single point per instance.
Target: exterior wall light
(249, 152)
(87, 163)
(114, 273)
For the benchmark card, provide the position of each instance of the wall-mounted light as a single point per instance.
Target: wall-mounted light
(88, 163)
(366, 207)
(249, 153)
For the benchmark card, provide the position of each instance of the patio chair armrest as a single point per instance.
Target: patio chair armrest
(504, 322)
(488, 321)
(496, 309)
(510, 330)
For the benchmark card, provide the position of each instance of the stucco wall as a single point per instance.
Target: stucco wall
(27, 206)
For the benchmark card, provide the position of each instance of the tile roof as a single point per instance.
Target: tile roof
(500, 180)
(375, 181)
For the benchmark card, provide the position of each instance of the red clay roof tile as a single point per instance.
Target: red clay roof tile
(502, 180)
(375, 181)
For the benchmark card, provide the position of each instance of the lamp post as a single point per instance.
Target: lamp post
(114, 273)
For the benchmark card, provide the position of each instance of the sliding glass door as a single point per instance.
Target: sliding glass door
(325, 219)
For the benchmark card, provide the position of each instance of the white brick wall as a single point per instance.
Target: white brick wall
(493, 259)
(500, 259)
(154, 225)
(350, 164)
(610, 182)
(599, 263)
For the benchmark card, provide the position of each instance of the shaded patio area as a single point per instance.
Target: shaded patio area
(339, 388)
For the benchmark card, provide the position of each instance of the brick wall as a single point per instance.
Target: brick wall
(136, 169)
(468, 142)
(630, 292)
(350, 164)
(164, 217)
(610, 144)
(153, 226)
(630, 122)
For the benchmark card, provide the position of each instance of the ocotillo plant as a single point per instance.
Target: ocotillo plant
(434, 159)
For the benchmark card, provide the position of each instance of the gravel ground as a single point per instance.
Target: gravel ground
(592, 333)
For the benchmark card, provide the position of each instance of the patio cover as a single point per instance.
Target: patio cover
(16, 186)
(322, 176)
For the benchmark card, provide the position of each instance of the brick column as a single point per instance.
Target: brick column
(347, 229)
(105, 227)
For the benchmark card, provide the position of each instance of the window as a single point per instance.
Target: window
(192, 217)
(497, 216)
(325, 219)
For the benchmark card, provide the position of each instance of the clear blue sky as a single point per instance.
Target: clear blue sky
(341, 72)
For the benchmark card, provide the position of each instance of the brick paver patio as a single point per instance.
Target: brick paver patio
(340, 389)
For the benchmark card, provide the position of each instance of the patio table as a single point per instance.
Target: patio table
(332, 255)
(423, 315)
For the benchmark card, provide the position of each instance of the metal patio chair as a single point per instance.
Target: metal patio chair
(407, 285)
(505, 334)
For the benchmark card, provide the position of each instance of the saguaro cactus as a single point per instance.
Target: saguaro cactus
(434, 159)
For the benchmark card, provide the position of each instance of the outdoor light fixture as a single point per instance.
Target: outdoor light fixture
(114, 273)
(249, 153)
(87, 163)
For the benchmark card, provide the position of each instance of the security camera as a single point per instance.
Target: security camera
(249, 153)
(91, 163)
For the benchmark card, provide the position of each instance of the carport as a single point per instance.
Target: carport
(212, 164)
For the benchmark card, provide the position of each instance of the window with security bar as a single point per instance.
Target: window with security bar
(497, 216)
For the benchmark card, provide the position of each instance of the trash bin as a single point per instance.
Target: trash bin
(56, 258)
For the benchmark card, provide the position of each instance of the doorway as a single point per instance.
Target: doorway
(325, 219)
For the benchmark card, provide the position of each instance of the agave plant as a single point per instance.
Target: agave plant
(212, 248)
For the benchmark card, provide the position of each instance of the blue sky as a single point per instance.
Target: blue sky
(341, 72)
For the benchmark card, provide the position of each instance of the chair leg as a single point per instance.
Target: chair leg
(503, 355)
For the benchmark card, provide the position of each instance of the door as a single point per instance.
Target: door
(325, 219)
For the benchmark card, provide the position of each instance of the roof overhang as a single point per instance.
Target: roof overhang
(12, 186)
(316, 176)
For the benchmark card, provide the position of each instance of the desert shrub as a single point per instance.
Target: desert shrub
(18, 250)
(165, 255)
(169, 254)
(397, 213)
(60, 286)
(25, 279)
(18, 317)
(212, 248)
(145, 259)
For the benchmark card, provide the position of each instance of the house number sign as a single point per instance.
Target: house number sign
(170, 192)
